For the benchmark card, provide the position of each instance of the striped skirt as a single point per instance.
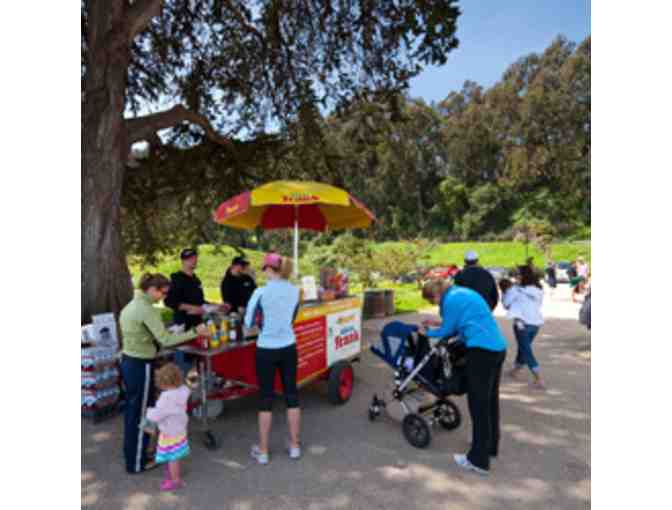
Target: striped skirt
(171, 448)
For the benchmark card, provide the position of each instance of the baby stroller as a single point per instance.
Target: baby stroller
(420, 370)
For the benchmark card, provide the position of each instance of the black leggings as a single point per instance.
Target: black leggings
(285, 360)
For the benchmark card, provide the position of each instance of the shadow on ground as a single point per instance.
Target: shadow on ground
(350, 463)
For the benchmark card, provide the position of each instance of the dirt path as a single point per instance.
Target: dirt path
(350, 463)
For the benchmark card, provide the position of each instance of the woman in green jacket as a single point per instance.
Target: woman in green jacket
(142, 329)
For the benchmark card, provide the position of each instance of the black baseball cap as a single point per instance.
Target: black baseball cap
(240, 261)
(187, 253)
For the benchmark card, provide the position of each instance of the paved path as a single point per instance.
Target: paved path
(350, 463)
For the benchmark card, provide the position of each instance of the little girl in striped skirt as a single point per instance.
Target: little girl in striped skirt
(170, 415)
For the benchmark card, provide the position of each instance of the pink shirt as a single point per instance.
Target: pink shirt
(582, 270)
(170, 412)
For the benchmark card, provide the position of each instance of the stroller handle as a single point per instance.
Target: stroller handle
(450, 342)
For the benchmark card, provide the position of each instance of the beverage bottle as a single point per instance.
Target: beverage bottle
(225, 330)
(212, 328)
(214, 339)
(233, 332)
(239, 329)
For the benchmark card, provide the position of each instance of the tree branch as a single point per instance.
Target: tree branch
(140, 14)
(145, 127)
(247, 27)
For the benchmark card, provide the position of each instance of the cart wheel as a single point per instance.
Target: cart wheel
(210, 441)
(449, 415)
(416, 430)
(341, 382)
(215, 409)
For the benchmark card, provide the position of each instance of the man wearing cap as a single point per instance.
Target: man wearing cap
(474, 277)
(237, 286)
(186, 296)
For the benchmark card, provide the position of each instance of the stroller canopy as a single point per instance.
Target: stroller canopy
(392, 341)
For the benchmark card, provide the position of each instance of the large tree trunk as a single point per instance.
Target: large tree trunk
(106, 280)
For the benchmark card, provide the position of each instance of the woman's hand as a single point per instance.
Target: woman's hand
(202, 330)
(192, 309)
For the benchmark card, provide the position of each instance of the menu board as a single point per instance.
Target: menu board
(310, 344)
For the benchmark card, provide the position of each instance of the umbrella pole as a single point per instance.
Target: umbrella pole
(296, 242)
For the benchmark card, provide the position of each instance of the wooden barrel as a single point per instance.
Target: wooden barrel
(389, 302)
(374, 304)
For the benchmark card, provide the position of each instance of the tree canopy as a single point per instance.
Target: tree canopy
(481, 164)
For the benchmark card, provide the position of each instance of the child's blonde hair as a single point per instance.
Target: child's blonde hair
(169, 376)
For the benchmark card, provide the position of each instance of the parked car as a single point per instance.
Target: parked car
(561, 273)
(408, 278)
(442, 272)
(498, 273)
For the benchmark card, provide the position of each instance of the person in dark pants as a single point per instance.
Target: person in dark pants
(465, 313)
(474, 277)
(277, 303)
(141, 329)
(237, 286)
(551, 275)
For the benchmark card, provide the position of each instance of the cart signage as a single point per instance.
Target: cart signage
(297, 198)
(343, 335)
(311, 348)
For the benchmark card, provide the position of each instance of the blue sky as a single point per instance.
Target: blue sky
(494, 34)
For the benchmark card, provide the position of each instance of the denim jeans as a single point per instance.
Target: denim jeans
(183, 361)
(525, 334)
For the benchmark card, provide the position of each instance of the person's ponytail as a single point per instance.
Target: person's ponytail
(286, 267)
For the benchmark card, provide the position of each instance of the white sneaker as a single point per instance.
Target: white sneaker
(462, 461)
(261, 458)
(294, 452)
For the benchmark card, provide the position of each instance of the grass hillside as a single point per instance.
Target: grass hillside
(505, 254)
(213, 262)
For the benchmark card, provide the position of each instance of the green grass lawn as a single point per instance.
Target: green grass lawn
(504, 254)
(213, 262)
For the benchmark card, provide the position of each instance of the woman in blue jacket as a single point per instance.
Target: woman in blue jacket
(465, 313)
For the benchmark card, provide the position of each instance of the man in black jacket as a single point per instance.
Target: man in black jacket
(237, 286)
(476, 278)
(186, 296)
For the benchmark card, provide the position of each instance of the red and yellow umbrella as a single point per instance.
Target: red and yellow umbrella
(282, 204)
(294, 204)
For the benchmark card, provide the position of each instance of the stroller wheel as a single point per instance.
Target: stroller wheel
(448, 415)
(374, 408)
(416, 430)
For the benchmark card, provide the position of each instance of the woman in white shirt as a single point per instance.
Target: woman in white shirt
(523, 303)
